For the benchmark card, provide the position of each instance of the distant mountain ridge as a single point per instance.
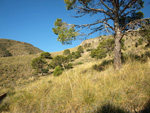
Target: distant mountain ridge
(15, 48)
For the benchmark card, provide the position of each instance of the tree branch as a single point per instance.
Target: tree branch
(88, 9)
(125, 14)
(106, 6)
(128, 5)
(97, 22)
(135, 23)
(121, 3)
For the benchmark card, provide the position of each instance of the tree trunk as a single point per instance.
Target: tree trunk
(117, 54)
(118, 37)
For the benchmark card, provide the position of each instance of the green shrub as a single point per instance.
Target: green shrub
(105, 46)
(4, 52)
(133, 56)
(7, 54)
(80, 63)
(68, 66)
(76, 55)
(73, 53)
(147, 53)
(38, 64)
(145, 56)
(45, 70)
(142, 58)
(98, 53)
(103, 65)
(89, 49)
(140, 41)
(58, 61)
(66, 52)
(46, 55)
(69, 57)
(80, 49)
(58, 71)
(87, 45)
(97, 67)
(106, 63)
(145, 33)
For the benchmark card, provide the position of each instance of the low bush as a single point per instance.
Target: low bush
(69, 57)
(68, 66)
(105, 47)
(46, 55)
(131, 56)
(45, 70)
(38, 64)
(79, 63)
(103, 65)
(98, 53)
(80, 49)
(97, 67)
(75, 55)
(58, 61)
(66, 52)
(87, 45)
(89, 49)
(58, 71)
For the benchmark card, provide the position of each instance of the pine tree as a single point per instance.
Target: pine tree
(118, 17)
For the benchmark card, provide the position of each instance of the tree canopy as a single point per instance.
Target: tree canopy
(115, 16)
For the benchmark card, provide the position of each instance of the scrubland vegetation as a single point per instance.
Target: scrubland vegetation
(91, 86)
(88, 78)
(73, 81)
(83, 89)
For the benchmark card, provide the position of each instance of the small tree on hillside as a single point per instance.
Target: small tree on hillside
(58, 71)
(118, 16)
(104, 47)
(59, 60)
(38, 64)
(46, 55)
(77, 54)
(98, 53)
(80, 49)
(66, 52)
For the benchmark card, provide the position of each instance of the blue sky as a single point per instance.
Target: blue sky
(32, 21)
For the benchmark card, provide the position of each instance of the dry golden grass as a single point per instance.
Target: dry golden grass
(15, 70)
(18, 48)
(83, 90)
(79, 90)
(61, 52)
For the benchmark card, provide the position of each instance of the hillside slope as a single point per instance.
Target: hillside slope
(15, 48)
(86, 88)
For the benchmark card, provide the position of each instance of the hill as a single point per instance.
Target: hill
(16, 48)
(91, 86)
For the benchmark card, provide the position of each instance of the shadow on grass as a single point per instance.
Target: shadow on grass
(134, 57)
(3, 106)
(146, 108)
(103, 65)
(109, 108)
(2, 96)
